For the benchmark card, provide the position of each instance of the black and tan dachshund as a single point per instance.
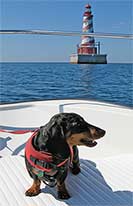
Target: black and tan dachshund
(52, 149)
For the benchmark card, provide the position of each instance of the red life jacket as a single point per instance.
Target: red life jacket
(41, 156)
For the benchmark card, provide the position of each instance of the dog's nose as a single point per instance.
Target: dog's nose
(102, 132)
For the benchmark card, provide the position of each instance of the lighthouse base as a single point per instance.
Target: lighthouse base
(88, 59)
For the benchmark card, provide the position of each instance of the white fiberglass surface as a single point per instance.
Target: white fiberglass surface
(106, 170)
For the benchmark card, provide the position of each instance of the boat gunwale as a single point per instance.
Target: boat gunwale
(92, 101)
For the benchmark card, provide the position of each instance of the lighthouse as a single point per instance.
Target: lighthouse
(87, 45)
(88, 51)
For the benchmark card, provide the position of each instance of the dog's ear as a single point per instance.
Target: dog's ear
(65, 131)
(56, 143)
(57, 130)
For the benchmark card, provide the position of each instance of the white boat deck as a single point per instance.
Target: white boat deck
(107, 170)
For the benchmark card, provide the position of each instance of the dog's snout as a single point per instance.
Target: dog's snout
(97, 132)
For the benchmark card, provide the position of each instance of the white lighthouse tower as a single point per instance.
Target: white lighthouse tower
(88, 51)
(87, 45)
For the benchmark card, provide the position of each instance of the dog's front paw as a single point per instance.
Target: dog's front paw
(63, 195)
(32, 192)
(75, 170)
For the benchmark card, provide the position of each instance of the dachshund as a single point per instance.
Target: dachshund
(52, 150)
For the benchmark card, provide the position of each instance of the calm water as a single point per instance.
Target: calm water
(40, 81)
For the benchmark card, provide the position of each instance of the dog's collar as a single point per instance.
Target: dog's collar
(32, 155)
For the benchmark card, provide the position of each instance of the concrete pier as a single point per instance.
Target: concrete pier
(88, 59)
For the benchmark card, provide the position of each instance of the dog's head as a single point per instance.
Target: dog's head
(74, 129)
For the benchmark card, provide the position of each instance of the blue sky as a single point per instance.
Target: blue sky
(109, 16)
